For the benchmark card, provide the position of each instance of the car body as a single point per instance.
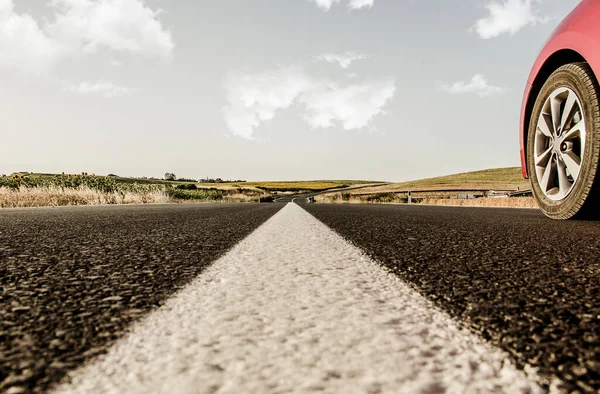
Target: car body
(560, 121)
(577, 38)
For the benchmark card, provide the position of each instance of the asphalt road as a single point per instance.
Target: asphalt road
(295, 308)
(527, 284)
(73, 279)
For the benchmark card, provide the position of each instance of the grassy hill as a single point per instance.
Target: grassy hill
(493, 179)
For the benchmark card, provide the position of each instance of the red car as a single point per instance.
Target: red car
(560, 118)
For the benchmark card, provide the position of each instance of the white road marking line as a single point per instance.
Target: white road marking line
(296, 308)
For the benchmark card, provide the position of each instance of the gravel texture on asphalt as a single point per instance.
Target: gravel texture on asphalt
(528, 284)
(73, 279)
(294, 308)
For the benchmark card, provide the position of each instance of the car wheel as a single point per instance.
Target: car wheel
(563, 144)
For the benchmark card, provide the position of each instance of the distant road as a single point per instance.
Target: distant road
(304, 196)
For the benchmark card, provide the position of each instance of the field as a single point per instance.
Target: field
(32, 190)
(117, 179)
(444, 190)
(36, 190)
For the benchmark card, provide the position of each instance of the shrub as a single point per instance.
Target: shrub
(187, 187)
(382, 197)
(267, 199)
(199, 194)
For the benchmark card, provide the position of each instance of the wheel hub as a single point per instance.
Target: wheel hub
(559, 144)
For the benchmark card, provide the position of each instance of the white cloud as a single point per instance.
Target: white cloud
(104, 88)
(115, 63)
(325, 4)
(507, 17)
(358, 4)
(353, 106)
(119, 25)
(23, 44)
(352, 4)
(345, 60)
(255, 98)
(80, 26)
(477, 85)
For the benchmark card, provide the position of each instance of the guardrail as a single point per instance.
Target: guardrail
(462, 194)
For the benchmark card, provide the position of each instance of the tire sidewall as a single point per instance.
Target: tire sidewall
(567, 77)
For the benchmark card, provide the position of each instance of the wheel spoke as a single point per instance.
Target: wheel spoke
(546, 177)
(573, 164)
(563, 180)
(542, 159)
(555, 111)
(568, 110)
(545, 125)
(574, 131)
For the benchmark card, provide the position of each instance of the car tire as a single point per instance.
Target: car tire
(563, 165)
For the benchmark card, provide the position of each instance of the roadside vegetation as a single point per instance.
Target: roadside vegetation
(76, 189)
(464, 189)
(39, 190)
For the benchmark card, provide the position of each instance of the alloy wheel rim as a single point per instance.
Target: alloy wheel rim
(559, 145)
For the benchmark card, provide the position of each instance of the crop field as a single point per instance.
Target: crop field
(116, 178)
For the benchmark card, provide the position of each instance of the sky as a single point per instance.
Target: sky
(388, 90)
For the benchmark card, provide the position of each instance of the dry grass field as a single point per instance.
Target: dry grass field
(53, 196)
(517, 202)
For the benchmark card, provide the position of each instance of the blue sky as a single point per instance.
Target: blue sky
(267, 89)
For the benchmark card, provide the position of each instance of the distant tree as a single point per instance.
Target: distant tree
(169, 176)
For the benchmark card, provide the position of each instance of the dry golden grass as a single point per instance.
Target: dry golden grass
(240, 197)
(53, 196)
(516, 202)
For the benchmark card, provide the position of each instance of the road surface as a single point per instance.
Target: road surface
(297, 298)
(73, 279)
(528, 284)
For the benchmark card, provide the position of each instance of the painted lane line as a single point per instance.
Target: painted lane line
(296, 308)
